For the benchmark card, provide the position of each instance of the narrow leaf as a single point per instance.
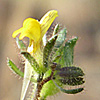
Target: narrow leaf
(32, 61)
(14, 68)
(72, 91)
(58, 44)
(61, 38)
(47, 50)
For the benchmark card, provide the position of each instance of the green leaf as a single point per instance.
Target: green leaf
(14, 68)
(61, 38)
(58, 44)
(72, 81)
(21, 45)
(48, 49)
(71, 91)
(66, 53)
(70, 75)
(32, 61)
(70, 72)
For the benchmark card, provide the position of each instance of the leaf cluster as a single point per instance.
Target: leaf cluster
(58, 54)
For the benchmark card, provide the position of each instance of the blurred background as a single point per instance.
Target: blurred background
(80, 17)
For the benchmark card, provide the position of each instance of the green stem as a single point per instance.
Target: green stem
(42, 82)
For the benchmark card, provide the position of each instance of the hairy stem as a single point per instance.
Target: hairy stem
(42, 82)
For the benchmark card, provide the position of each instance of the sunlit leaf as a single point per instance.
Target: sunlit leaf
(14, 68)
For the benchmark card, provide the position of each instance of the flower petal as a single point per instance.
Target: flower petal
(47, 20)
(25, 33)
(31, 29)
(15, 33)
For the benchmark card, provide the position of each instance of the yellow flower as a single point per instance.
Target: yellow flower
(35, 30)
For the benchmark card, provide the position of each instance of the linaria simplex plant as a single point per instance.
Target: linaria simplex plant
(48, 62)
